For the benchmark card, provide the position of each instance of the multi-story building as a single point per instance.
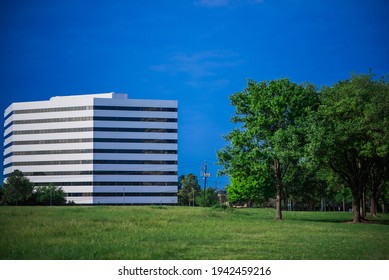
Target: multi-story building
(100, 148)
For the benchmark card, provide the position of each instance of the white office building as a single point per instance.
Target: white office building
(100, 148)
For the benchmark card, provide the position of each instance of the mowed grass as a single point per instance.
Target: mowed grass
(159, 232)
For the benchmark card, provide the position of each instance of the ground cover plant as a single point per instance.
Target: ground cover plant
(162, 232)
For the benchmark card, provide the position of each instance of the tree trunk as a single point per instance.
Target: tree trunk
(277, 171)
(278, 203)
(344, 205)
(363, 214)
(373, 205)
(356, 206)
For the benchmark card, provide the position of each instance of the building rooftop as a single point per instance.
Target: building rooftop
(110, 95)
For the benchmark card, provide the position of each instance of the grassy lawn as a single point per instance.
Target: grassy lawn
(153, 232)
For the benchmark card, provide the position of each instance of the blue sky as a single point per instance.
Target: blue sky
(197, 51)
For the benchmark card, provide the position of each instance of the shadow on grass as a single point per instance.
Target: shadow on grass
(337, 221)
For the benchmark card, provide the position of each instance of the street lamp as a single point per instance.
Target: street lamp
(205, 176)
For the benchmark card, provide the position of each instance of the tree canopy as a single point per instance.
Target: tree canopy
(310, 144)
(50, 195)
(350, 133)
(189, 189)
(17, 189)
(269, 138)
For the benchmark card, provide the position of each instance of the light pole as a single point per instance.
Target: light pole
(205, 176)
(123, 196)
(51, 196)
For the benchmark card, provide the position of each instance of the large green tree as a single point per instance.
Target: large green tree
(350, 132)
(17, 189)
(270, 132)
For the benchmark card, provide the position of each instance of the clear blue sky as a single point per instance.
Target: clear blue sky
(197, 51)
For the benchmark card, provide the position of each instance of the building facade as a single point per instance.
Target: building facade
(100, 148)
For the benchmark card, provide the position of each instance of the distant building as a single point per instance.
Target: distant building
(100, 148)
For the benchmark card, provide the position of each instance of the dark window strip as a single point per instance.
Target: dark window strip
(130, 184)
(133, 119)
(98, 172)
(8, 145)
(7, 116)
(8, 135)
(123, 129)
(124, 108)
(53, 152)
(66, 162)
(8, 125)
(96, 140)
(84, 108)
(124, 140)
(133, 151)
(8, 155)
(57, 130)
(85, 129)
(96, 151)
(120, 194)
(90, 118)
(54, 120)
(57, 109)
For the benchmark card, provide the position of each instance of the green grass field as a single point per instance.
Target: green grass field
(159, 232)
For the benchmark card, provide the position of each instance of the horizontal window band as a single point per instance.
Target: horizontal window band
(8, 125)
(85, 108)
(67, 162)
(94, 140)
(95, 151)
(7, 116)
(134, 119)
(92, 118)
(97, 172)
(123, 184)
(8, 145)
(8, 135)
(118, 194)
(8, 155)
(56, 109)
(125, 108)
(86, 129)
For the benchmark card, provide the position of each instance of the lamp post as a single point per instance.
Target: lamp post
(205, 176)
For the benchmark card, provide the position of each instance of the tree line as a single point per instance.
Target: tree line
(304, 146)
(190, 192)
(19, 190)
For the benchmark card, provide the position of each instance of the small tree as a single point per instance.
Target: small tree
(17, 189)
(189, 189)
(50, 195)
(211, 197)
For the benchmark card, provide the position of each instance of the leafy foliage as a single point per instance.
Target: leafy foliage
(350, 131)
(17, 189)
(270, 137)
(50, 195)
(189, 190)
(211, 197)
